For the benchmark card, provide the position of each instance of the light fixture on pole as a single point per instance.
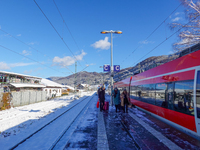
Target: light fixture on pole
(111, 53)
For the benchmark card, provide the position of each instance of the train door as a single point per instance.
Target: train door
(197, 100)
(170, 95)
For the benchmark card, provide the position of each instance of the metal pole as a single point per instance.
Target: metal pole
(75, 77)
(103, 79)
(111, 77)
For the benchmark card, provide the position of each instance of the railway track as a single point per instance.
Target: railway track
(45, 136)
(127, 130)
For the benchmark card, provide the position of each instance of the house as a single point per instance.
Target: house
(22, 89)
(67, 88)
(83, 86)
(52, 89)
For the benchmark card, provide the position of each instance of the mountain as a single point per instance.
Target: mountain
(83, 77)
(94, 78)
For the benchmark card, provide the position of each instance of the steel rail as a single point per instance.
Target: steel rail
(63, 133)
(126, 129)
(22, 141)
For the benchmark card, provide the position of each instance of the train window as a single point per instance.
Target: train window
(183, 97)
(151, 93)
(170, 95)
(133, 92)
(198, 94)
(136, 92)
(139, 92)
(148, 93)
(161, 89)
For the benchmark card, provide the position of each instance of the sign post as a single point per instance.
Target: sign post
(107, 68)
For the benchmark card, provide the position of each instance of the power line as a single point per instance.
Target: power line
(153, 31)
(23, 42)
(166, 39)
(29, 46)
(67, 27)
(57, 32)
(29, 58)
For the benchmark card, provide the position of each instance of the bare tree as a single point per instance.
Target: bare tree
(190, 33)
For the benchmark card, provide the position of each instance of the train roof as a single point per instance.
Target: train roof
(189, 57)
(190, 50)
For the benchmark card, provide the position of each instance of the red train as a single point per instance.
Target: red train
(170, 92)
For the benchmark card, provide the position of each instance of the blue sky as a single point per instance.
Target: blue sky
(34, 47)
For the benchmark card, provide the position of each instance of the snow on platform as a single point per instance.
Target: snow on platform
(132, 130)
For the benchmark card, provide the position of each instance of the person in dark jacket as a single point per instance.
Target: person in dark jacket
(116, 95)
(125, 100)
(101, 96)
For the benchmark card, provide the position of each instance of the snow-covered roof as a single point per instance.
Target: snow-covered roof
(17, 74)
(85, 85)
(94, 86)
(49, 83)
(18, 85)
(68, 87)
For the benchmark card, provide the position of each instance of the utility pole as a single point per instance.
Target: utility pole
(88, 84)
(75, 77)
(103, 78)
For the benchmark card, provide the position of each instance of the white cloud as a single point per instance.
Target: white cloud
(4, 66)
(176, 19)
(21, 64)
(33, 70)
(80, 57)
(90, 64)
(32, 43)
(19, 35)
(26, 53)
(67, 60)
(146, 42)
(102, 44)
(178, 13)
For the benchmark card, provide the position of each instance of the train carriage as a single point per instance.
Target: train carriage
(170, 92)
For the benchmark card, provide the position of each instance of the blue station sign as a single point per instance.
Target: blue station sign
(106, 68)
(116, 68)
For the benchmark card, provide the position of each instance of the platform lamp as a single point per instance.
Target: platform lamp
(111, 53)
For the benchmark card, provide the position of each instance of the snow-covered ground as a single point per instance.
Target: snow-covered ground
(17, 123)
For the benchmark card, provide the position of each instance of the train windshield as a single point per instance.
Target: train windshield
(198, 94)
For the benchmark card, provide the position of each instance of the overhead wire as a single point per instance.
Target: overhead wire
(153, 31)
(165, 39)
(56, 31)
(29, 46)
(23, 42)
(67, 27)
(29, 58)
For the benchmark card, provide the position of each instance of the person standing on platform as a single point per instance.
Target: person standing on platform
(101, 96)
(125, 100)
(116, 95)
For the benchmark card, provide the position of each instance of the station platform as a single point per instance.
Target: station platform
(108, 130)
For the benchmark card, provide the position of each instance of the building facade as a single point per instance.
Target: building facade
(22, 89)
